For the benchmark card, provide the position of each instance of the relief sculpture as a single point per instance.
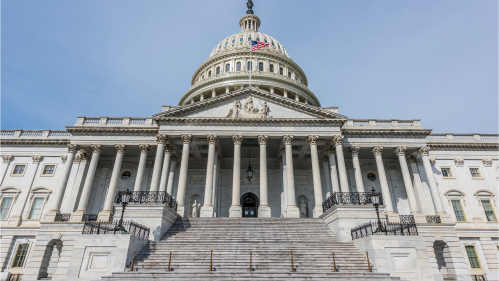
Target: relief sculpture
(249, 110)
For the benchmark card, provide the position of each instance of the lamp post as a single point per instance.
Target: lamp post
(125, 198)
(249, 171)
(375, 199)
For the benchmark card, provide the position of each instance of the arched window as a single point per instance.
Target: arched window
(241, 40)
(249, 38)
(250, 65)
(281, 71)
(227, 68)
(226, 43)
(257, 39)
(209, 74)
(289, 74)
(271, 68)
(265, 40)
(233, 41)
(238, 66)
(273, 44)
(218, 70)
(279, 46)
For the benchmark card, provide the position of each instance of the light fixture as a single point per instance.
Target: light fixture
(375, 199)
(249, 171)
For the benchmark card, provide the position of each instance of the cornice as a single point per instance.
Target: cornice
(34, 142)
(112, 130)
(220, 120)
(299, 106)
(463, 145)
(377, 132)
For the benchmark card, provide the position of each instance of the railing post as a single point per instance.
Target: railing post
(368, 263)
(334, 264)
(211, 260)
(133, 259)
(292, 262)
(170, 262)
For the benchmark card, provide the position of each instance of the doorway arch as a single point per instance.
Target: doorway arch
(249, 204)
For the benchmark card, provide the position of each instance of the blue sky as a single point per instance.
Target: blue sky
(414, 59)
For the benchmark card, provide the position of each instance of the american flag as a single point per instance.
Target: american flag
(255, 45)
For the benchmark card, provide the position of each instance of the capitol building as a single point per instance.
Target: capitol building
(248, 179)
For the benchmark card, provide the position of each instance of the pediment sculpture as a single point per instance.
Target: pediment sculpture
(248, 110)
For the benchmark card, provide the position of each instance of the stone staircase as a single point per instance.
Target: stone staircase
(270, 241)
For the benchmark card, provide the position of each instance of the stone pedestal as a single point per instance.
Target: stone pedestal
(292, 212)
(207, 212)
(419, 218)
(264, 212)
(235, 212)
(49, 216)
(104, 215)
(318, 211)
(15, 220)
(392, 216)
(77, 216)
(158, 217)
(181, 211)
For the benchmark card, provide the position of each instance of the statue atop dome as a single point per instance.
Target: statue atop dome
(250, 7)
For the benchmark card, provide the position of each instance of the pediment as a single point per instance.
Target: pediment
(251, 103)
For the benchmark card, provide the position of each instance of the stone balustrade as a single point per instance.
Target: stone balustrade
(393, 123)
(115, 121)
(462, 138)
(34, 134)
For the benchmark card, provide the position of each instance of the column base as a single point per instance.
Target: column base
(392, 216)
(235, 212)
(318, 211)
(207, 212)
(263, 211)
(77, 216)
(104, 216)
(50, 216)
(292, 211)
(418, 217)
(445, 218)
(181, 211)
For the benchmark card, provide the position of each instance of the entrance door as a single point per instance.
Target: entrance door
(249, 202)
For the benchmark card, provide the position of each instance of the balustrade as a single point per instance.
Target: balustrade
(150, 197)
(372, 228)
(348, 198)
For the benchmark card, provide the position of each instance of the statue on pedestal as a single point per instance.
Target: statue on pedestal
(195, 209)
(303, 209)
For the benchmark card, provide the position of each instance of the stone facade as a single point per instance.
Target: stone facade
(200, 152)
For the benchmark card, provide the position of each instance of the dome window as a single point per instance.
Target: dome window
(238, 66)
(273, 44)
(265, 40)
(289, 74)
(220, 47)
(281, 71)
(257, 39)
(209, 73)
(249, 38)
(271, 68)
(227, 68)
(241, 40)
(250, 65)
(260, 66)
(279, 46)
(233, 41)
(226, 43)
(218, 70)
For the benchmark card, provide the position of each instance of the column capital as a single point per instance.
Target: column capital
(169, 148)
(424, 151)
(36, 158)
(120, 148)
(7, 158)
(337, 140)
(312, 140)
(186, 139)
(377, 150)
(354, 150)
(412, 158)
(144, 148)
(82, 156)
(174, 157)
(288, 140)
(262, 139)
(97, 148)
(212, 139)
(161, 138)
(73, 148)
(400, 150)
(330, 150)
(237, 139)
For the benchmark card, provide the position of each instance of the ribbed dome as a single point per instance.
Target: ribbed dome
(249, 31)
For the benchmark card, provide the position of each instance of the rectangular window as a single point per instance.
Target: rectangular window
(5, 207)
(21, 253)
(36, 209)
(472, 256)
(48, 169)
(474, 172)
(19, 169)
(489, 212)
(446, 173)
(458, 210)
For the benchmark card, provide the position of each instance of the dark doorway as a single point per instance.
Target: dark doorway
(249, 202)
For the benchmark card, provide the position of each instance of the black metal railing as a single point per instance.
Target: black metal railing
(15, 277)
(128, 227)
(407, 219)
(150, 197)
(67, 217)
(90, 217)
(62, 217)
(478, 278)
(433, 219)
(372, 228)
(348, 198)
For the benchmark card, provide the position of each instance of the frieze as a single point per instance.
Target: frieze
(23, 142)
(301, 180)
(196, 179)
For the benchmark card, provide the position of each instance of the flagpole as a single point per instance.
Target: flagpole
(251, 63)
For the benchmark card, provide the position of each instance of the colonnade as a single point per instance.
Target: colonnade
(333, 164)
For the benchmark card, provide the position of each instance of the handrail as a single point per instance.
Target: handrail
(348, 198)
(150, 197)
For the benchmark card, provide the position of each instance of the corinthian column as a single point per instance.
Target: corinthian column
(316, 174)
(385, 191)
(400, 151)
(424, 151)
(171, 174)
(338, 143)
(61, 187)
(182, 179)
(292, 210)
(156, 173)
(111, 192)
(235, 209)
(356, 167)
(166, 168)
(144, 149)
(332, 168)
(77, 216)
(207, 209)
(327, 177)
(263, 209)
